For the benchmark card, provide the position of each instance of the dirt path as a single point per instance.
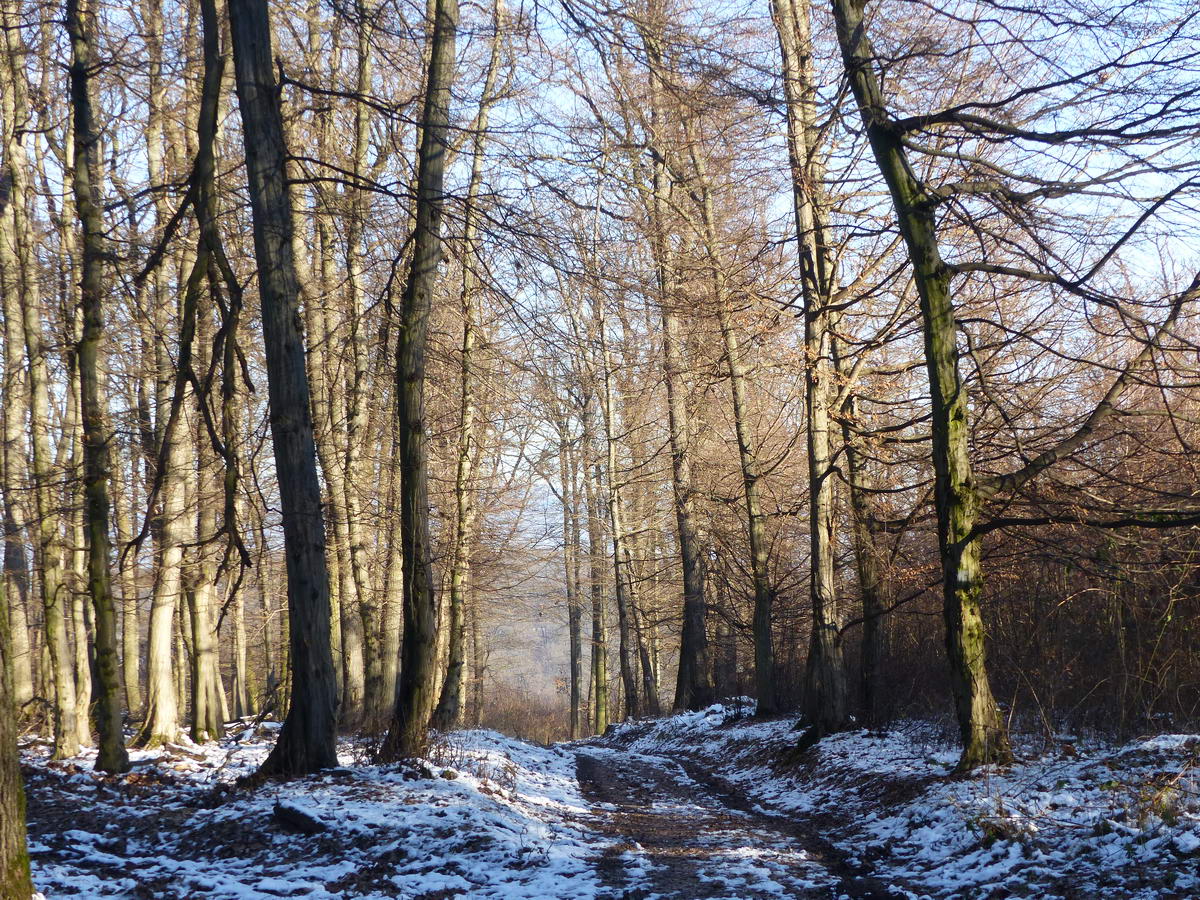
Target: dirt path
(680, 835)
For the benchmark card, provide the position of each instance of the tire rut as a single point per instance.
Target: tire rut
(677, 833)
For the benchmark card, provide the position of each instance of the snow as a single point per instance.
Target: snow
(1064, 822)
(495, 818)
(487, 816)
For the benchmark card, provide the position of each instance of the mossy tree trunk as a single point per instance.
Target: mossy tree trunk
(981, 727)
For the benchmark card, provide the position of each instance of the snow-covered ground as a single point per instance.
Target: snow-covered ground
(487, 817)
(1069, 820)
(702, 804)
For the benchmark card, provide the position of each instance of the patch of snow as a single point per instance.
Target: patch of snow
(1112, 821)
(499, 819)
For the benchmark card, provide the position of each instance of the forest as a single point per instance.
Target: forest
(543, 412)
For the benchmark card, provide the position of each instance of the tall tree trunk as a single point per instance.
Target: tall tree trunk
(638, 553)
(760, 573)
(414, 696)
(307, 741)
(694, 687)
(81, 620)
(175, 452)
(622, 578)
(418, 673)
(49, 538)
(478, 667)
(208, 701)
(571, 550)
(107, 689)
(596, 572)
(376, 694)
(825, 694)
(450, 706)
(46, 529)
(765, 689)
(981, 728)
(866, 554)
(16, 587)
(328, 397)
(15, 275)
(166, 446)
(393, 603)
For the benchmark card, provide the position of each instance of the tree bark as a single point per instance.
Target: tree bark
(47, 536)
(131, 656)
(107, 688)
(981, 727)
(694, 685)
(622, 577)
(596, 569)
(450, 706)
(376, 693)
(15, 275)
(825, 694)
(15, 880)
(415, 698)
(571, 551)
(307, 741)
(760, 563)
(870, 576)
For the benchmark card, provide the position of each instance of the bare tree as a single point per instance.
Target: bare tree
(415, 697)
(307, 740)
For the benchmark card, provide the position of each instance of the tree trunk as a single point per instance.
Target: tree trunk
(307, 741)
(596, 569)
(15, 880)
(49, 539)
(415, 699)
(80, 624)
(15, 276)
(760, 573)
(981, 728)
(208, 694)
(450, 707)
(694, 686)
(47, 536)
(870, 578)
(167, 448)
(131, 655)
(571, 550)
(107, 689)
(161, 724)
(622, 577)
(638, 553)
(329, 403)
(376, 694)
(825, 692)
(393, 606)
(478, 667)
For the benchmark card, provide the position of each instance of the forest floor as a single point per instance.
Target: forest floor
(701, 805)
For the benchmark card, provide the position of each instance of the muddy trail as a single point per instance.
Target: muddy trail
(681, 834)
